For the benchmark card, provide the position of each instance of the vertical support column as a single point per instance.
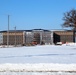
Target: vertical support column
(40, 37)
(24, 37)
(51, 37)
(74, 35)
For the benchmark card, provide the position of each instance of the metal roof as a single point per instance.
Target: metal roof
(25, 30)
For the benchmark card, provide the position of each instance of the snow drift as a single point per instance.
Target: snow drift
(49, 67)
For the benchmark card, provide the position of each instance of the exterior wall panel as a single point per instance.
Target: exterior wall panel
(64, 36)
(1, 38)
(13, 38)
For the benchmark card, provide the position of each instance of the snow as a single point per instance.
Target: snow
(48, 67)
(45, 58)
(36, 73)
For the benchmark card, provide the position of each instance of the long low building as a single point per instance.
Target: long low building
(25, 37)
(35, 36)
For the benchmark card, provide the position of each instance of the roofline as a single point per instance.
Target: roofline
(36, 30)
(25, 30)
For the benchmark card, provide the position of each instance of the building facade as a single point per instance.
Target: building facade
(37, 36)
(63, 36)
(25, 37)
(13, 37)
(42, 36)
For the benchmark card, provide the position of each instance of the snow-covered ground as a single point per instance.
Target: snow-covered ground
(39, 54)
(46, 58)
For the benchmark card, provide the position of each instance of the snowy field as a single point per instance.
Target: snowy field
(38, 60)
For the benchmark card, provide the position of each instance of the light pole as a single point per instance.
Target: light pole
(8, 33)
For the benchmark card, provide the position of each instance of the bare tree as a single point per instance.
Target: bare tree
(70, 19)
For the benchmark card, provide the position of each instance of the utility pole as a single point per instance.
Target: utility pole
(8, 33)
(15, 35)
(40, 37)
